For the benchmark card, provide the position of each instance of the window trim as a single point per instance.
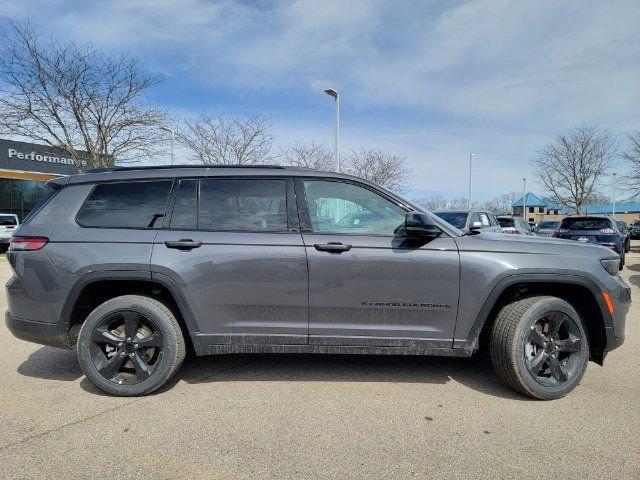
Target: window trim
(158, 226)
(303, 206)
(290, 201)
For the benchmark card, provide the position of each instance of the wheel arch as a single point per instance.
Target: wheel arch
(94, 288)
(580, 292)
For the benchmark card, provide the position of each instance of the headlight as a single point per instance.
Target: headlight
(611, 265)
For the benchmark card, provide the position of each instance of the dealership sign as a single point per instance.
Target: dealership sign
(31, 157)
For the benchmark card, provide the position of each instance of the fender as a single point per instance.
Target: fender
(471, 342)
(144, 275)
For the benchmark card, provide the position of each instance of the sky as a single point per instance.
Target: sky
(429, 80)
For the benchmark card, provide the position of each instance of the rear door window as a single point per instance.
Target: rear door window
(126, 205)
(185, 208)
(243, 205)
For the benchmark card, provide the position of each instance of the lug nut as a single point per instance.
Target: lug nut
(119, 344)
(131, 355)
(122, 354)
(135, 345)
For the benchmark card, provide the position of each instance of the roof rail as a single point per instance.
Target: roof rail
(161, 167)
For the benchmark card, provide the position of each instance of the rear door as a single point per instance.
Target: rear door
(234, 247)
(368, 284)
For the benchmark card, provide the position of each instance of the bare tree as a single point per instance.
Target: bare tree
(631, 182)
(228, 140)
(380, 167)
(75, 97)
(502, 203)
(438, 202)
(571, 167)
(309, 155)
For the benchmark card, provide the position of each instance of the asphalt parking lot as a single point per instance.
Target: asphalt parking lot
(308, 416)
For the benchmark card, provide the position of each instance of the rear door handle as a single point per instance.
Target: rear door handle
(183, 244)
(333, 247)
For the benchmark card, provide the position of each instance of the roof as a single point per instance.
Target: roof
(179, 171)
(607, 208)
(532, 200)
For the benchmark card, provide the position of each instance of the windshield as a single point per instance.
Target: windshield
(585, 223)
(548, 225)
(506, 222)
(7, 220)
(457, 219)
(621, 226)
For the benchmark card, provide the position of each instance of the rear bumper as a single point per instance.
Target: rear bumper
(51, 334)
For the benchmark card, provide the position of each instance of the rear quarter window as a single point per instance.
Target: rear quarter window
(125, 205)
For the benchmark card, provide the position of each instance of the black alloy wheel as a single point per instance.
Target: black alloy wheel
(126, 347)
(552, 349)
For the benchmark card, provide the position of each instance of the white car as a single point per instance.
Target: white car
(8, 223)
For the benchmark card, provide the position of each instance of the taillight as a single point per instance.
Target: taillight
(24, 244)
(607, 230)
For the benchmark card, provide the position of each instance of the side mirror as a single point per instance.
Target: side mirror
(476, 226)
(418, 225)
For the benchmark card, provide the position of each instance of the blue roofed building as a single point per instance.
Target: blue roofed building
(538, 209)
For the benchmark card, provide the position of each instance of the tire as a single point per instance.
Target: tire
(514, 354)
(123, 363)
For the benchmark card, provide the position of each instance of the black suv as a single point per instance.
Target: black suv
(132, 266)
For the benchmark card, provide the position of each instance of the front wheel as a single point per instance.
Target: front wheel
(130, 345)
(539, 347)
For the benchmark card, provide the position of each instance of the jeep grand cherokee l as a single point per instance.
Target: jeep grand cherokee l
(131, 266)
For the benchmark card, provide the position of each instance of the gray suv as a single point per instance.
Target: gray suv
(133, 266)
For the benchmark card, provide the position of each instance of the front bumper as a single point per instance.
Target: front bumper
(51, 334)
(615, 328)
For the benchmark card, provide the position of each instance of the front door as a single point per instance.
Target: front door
(234, 248)
(369, 285)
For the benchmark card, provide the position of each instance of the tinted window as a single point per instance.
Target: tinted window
(506, 222)
(7, 220)
(340, 207)
(585, 223)
(548, 225)
(251, 205)
(457, 219)
(125, 205)
(185, 208)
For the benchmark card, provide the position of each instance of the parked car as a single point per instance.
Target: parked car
(514, 225)
(546, 228)
(8, 223)
(595, 230)
(133, 265)
(470, 220)
(626, 237)
(635, 229)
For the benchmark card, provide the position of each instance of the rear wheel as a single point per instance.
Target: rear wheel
(539, 347)
(130, 345)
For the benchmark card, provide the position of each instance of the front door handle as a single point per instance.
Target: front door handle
(333, 247)
(183, 244)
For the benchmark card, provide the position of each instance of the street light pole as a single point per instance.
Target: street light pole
(471, 155)
(334, 93)
(614, 194)
(524, 199)
(171, 132)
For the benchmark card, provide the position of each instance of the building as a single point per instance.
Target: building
(625, 211)
(24, 170)
(537, 209)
